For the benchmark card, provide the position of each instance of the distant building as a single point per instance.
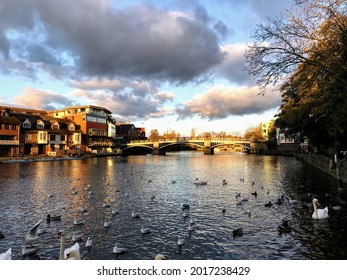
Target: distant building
(128, 132)
(9, 134)
(265, 128)
(96, 123)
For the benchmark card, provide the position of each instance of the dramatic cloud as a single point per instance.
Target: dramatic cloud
(90, 38)
(124, 98)
(42, 100)
(233, 67)
(221, 102)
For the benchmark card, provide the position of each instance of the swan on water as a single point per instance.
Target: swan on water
(72, 253)
(7, 255)
(319, 213)
(33, 232)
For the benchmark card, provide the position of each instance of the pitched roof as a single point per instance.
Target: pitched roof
(9, 120)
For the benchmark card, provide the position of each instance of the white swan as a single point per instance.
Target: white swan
(319, 213)
(118, 249)
(34, 232)
(72, 253)
(7, 255)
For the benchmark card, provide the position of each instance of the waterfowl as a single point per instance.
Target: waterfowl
(238, 232)
(185, 206)
(180, 241)
(192, 221)
(78, 222)
(114, 212)
(84, 209)
(185, 213)
(33, 232)
(53, 218)
(135, 215)
(254, 193)
(145, 230)
(191, 227)
(269, 204)
(89, 242)
(118, 249)
(159, 257)
(106, 205)
(72, 253)
(319, 213)
(29, 251)
(7, 255)
(107, 224)
(224, 210)
(76, 237)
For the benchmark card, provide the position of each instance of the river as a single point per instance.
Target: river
(157, 187)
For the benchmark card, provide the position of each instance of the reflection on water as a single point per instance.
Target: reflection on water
(156, 187)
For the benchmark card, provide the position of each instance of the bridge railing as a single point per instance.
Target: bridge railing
(179, 139)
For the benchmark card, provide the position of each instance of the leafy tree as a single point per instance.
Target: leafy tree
(307, 52)
(253, 132)
(154, 135)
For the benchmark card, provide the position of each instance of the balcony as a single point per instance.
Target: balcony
(9, 142)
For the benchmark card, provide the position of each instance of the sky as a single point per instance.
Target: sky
(165, 65)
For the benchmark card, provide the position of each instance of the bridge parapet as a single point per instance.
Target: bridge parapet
(159, 145)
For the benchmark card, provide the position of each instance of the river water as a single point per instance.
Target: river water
(156, 187)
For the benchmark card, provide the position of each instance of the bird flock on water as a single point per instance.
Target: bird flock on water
(73, 252)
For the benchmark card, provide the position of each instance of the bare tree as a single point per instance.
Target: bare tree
(292, 38)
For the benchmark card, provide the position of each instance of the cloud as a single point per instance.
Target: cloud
(93, 39)
(133, 99)
(233, 65)
(42, 99)
(220, 102)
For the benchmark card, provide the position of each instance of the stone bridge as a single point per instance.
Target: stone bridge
(208, 144)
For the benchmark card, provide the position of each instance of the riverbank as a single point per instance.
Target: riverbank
(35, 159)
(336, 169)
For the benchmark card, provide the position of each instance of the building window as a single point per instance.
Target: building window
(14, 127)
(71, 127)
(52, 137)
(7, 126)
(55, 126)
(62, 137)
(26, 124)
(40, 125)
(29, 136)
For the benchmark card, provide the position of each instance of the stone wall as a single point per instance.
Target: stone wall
(326, 164)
